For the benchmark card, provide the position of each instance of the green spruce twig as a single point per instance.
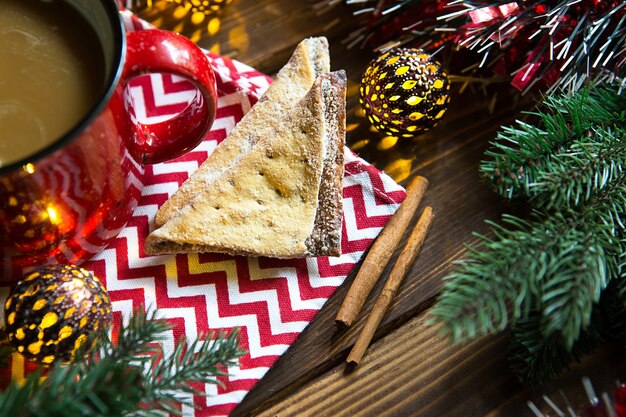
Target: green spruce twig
(131, 377)
(551, 277)
(535, 358)
(554, 265)
(201, 361)
(523, 156)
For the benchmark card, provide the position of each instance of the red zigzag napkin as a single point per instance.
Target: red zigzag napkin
(270, 300)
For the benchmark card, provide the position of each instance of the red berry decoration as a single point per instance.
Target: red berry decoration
(404, 92)
(52, 311)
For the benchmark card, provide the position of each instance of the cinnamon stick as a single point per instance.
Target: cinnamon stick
(406, 258)
(381, 252)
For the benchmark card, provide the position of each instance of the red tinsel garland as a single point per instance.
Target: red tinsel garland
(539, 44)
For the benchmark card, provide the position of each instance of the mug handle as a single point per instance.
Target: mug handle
(155, 50)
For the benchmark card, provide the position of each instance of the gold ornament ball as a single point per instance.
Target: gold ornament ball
(53, 310)
(404, 92)
(207, 7)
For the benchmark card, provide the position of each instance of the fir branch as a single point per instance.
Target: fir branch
(200, 361)
(132, 377)
(574, 285)
(108, 389)
(136, 342)
(536, 359)
(475, 299)
(574, 176)
(522, 157)
(556, 265)
(557, 279)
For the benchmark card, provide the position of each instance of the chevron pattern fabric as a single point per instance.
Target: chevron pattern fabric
(270, 300)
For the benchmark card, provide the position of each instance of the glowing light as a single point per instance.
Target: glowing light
(215, 49)
(180, 12)
(351, 126)
(399, 169)
(214, 26)
(53, 215)
(360, 144)
(238, 38)
(197, 18)
(387, 142)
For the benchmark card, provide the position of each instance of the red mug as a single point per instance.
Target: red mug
(65, 203)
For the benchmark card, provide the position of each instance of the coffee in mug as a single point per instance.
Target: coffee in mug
(67, 190)
(51, 74)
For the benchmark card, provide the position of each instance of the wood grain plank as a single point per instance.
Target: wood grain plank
(413, 372)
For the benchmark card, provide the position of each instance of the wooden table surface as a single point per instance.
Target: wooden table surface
(409, 369)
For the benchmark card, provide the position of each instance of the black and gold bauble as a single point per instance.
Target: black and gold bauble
(52, 311)
(404, 92)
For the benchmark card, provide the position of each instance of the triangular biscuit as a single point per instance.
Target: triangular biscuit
(267, 202)
(309, 60)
